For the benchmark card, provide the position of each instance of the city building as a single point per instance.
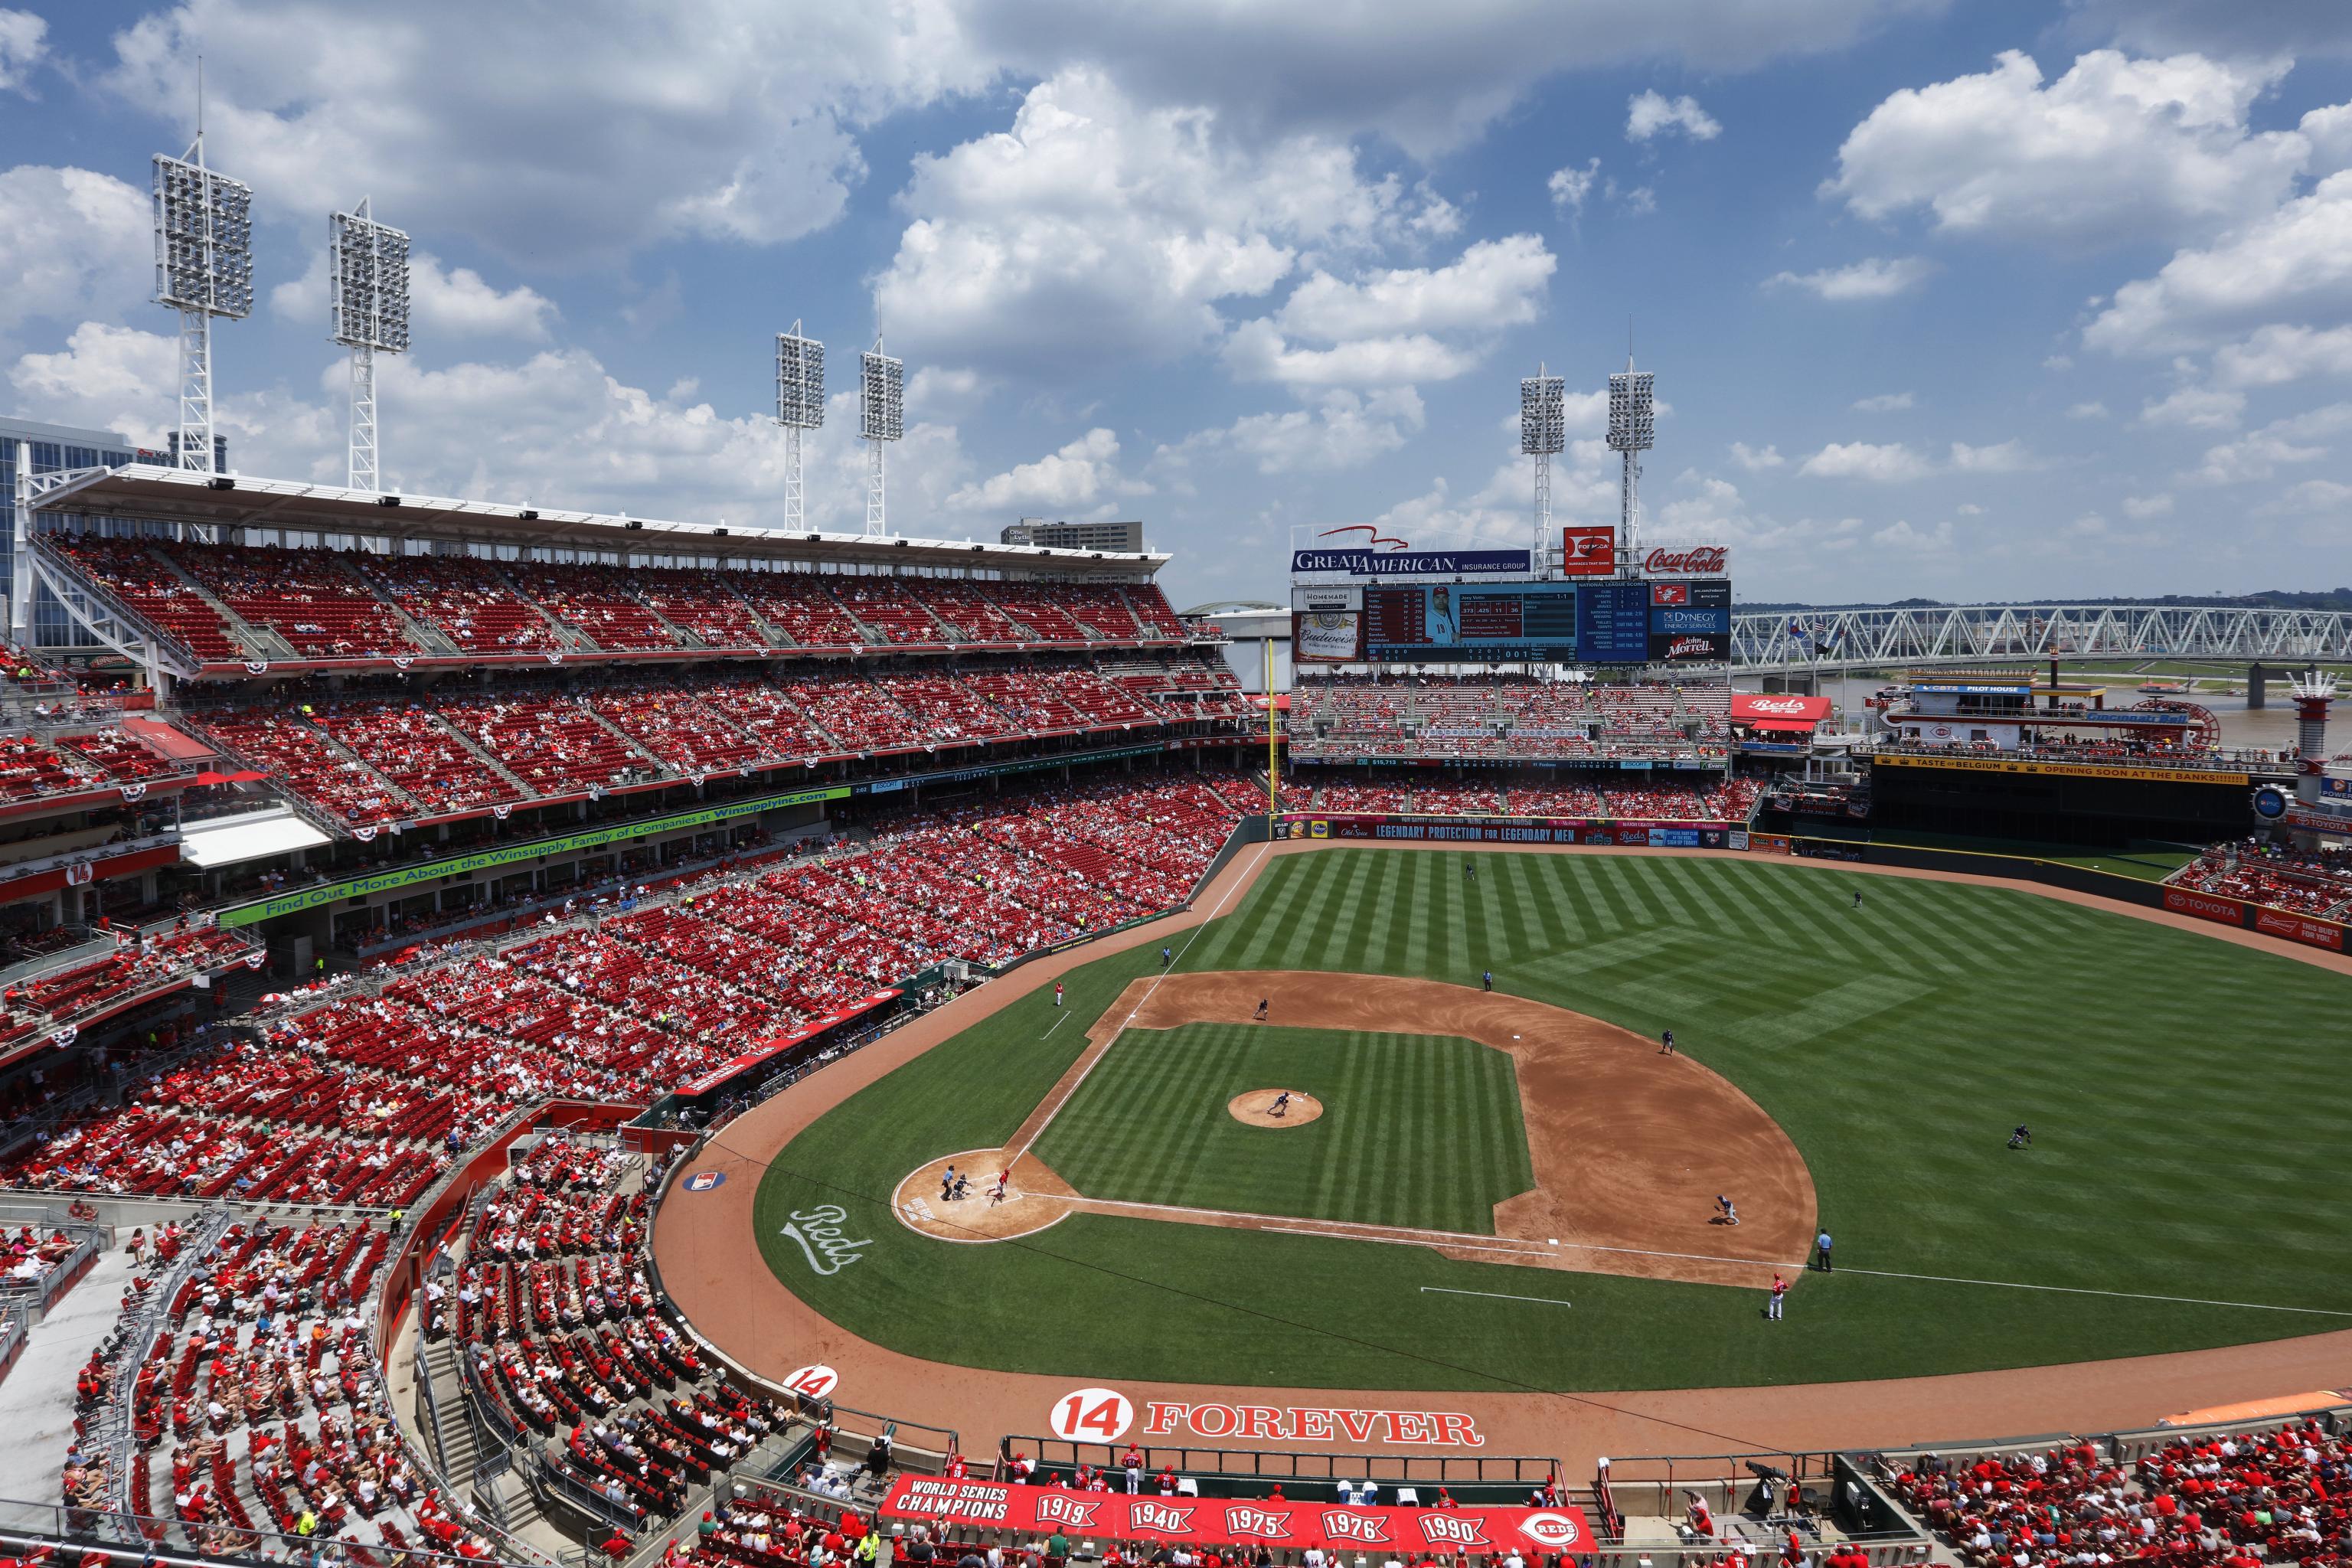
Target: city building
(1124, 537)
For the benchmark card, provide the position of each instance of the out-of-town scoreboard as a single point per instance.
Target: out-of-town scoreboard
(1488, 606)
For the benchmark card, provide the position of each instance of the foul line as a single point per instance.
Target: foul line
(1263, 849)
(2084, 1291)
(1494, 1296)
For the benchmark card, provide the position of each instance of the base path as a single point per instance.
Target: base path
(713, 1273)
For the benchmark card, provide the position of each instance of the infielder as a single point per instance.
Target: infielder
(1282, 1103)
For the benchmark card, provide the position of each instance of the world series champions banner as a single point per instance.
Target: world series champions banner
(1222, 1521)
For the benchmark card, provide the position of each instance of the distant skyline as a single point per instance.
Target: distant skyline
(1954, 301)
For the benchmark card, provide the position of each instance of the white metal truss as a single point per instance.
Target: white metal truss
(364, 466)
(1543, 430)
(800, 406)
(875, 512)
(196, 391)
(1834, 641)
(89, 605)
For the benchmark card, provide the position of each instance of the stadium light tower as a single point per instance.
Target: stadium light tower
(799, 406)
(369, 313)
(204, 268)
(1631, 431)
(1543, 431)
(881, 419)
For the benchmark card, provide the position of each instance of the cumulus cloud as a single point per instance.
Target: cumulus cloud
(107, 377)
(1874, 277)
(1341, 431)
(2115, 149)
(456, 302)
(2197, 407)
(1651, 113)
(23, 45)
(2157, 505)
(1097, 228)
(2296, 260)
(1884, 403)
(1754, 460)
(1889, 462)
(2260, 454)
(2093, 410)
(1073, 479)
(2278, 353)
(72, 244)
(1497, 283)
(1570, 185)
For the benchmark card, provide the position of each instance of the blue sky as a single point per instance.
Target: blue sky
(1968, 300)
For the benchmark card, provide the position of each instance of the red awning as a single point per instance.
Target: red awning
(1281, 703)
(1757, 708)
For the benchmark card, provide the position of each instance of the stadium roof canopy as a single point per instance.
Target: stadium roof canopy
(151, 492)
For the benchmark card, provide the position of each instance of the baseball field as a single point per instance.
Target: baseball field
(1514, 1192)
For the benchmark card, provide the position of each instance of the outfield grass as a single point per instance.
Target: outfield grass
(1416, 1129)
(2145, 862)
(2188, 1098)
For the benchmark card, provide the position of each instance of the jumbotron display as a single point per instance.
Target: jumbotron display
(1599, 622)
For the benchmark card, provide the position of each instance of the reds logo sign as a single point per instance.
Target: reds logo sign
(1452, 1530)
(1338, 1524)
(1699, 561)
(1257, 1522)
(1159, 1519)
(1778, 707)
(1670, 593)
(1060, 1508)
(1556, 1530)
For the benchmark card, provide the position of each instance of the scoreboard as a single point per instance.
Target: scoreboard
(1613, 622)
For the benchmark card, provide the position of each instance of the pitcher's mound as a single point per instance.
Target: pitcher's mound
(1257, 1108)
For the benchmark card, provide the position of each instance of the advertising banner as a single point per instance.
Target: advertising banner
(1328, 596)
(1519, 830)
(1588, 552)
(1612, 623)
(1219, 1521)
(1413, 563)
(1687, 561)
(2299, 927)
(1762, 708)
(1327, 636)
(778, 1044)
(1690, 622)
(2067, 770)
(2205, 906)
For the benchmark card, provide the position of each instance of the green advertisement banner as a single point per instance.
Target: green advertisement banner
(489, 860)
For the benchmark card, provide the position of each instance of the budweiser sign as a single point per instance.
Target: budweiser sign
(1698, 560)
(2298, 928)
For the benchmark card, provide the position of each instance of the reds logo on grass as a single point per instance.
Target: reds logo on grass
(1159, 1518)
(1058, 1507)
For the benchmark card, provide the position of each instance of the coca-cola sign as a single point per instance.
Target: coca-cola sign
(1697, 561)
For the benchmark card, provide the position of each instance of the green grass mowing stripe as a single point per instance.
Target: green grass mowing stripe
(1336, 899)
(1436, 1074)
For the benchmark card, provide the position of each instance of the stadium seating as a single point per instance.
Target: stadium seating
(467, 601)
(2262, 873)
(1488, 717)
(310, 598)
(133, 571)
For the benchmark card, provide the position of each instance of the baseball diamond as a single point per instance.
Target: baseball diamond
(1893, 1053)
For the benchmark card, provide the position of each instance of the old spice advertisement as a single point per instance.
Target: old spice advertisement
(1222, 1521)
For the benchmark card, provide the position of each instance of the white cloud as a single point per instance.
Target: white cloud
(2197, 407)
(713, 118)
(2005, 457)
(1495, 283)
(1256, 352)
(1070, 480)
(1341, 431)
(2314, 496)
(1874, 277)
(1755, 461)
(2086, 411)
(72, 243)
(1651, 112)
(1884, 403)
(456, 303)
(944, 392)
(2260, 454)
(2296, 261)
(1096, 229)
(1570, 185)
(1969, 509)
(1863, 460)
(22, 47)
(108, 377)
(1638, 199)
(1901, 535)
(2115, 149)
(2276, 353)
(2157, 505)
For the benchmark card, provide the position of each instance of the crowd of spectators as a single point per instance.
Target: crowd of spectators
(141, 963)
(354, 605)
(1716, 799)
(1486, 716)
(368, 760)
(2233, 1500)
(365, 1099)
(2264, 873)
